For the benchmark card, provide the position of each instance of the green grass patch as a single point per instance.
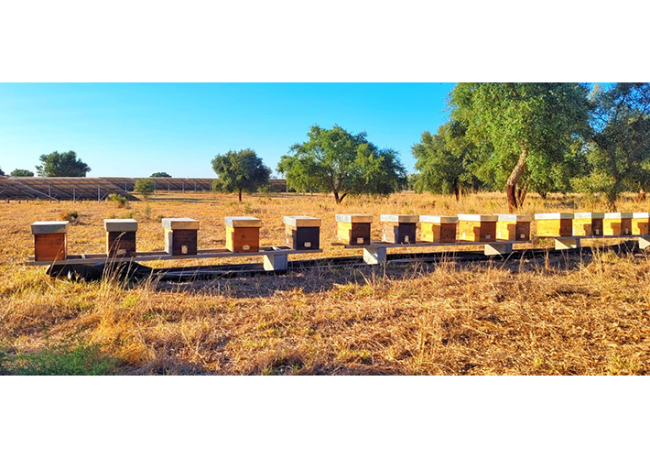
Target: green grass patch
(58, 360)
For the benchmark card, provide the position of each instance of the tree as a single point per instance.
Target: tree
(239, 171)
(62, 165)
(529, 128)
(618, 151)
(144, 186)
(336, 161)
(445, 161)
(160, 175)
(1, 172)
(22, 173)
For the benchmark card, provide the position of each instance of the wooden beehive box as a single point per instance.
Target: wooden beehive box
(243, 234)
(353, 229)
(120, 237)
(554, 224)
(50, 240)
(438, 229)
(617, 224)
(513, 227)
(398, 228)
(588, 224)
(181, 236)
(640, 223)
(477, 228)
(302, 232)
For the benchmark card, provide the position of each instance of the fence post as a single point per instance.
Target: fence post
(74, 194)
(99, 194)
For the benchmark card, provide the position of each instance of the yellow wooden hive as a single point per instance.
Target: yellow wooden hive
(640, 223)
(513, 227)
(617, 224)
(354, 229)
(588, 224)
(554, 224)
(477, 228)
(243, 234)
(438, 229)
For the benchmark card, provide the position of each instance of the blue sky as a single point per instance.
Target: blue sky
(122, 129)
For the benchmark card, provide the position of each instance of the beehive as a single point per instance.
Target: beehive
(181, 236)
(640, 223)
(120, 237)
(353, 229)
(439, 229)
(513, 227)
(50, 240)
(588, 224)
(554, 224)
(398, 228)
(617, 224)
(243, 234)
(477, 228)
(302, 232)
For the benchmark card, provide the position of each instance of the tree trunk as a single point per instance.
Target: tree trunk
(336, 197)
(457, 191)
(521, 196)
(240, 190)
(513, 179)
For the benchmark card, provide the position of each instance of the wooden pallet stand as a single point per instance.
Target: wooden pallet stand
(50, 240)
(438, 229)
(353, 229)
(641, 223)
(477, 228)
(120, 237)
(398, 228)
(513, 227)
(617, 224)
(302, 232)
(181, 236)
(588, 224)
(243, 234)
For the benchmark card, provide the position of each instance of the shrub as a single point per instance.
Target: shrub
(144, 186)
(121, 201)
(72, 216)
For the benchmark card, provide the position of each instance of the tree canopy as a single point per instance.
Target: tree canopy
(618, 150)
(22, 173)
(1, 172)
(525, 130)
(160, 175)
(445, 161)
(239, 171)
(62, 165)
(337, 161)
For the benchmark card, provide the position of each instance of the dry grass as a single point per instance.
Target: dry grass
(569, 316)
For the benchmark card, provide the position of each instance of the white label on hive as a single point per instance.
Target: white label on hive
(487, 237)
(121, 252)
(499, 235)
(523, 236)
(307, 244)
(246, 247)
(597, 231)
(288, 241)
(360, 240)
(406, 238)
(627, 231)
(463, 235)
(184, 249)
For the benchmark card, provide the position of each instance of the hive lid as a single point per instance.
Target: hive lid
(641, 215)
(180, 223)
(354, 218)
(481, 218)
(618, 215)
(50, 227)
(515, 218)
(120, 225)
(243, 221)
(588, 215)
(399, 218)
(554, 216)
(301, 221)
(438, 219)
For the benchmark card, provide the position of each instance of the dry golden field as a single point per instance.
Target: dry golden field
(563, 315)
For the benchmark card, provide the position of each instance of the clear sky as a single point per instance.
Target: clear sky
(122, 129)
